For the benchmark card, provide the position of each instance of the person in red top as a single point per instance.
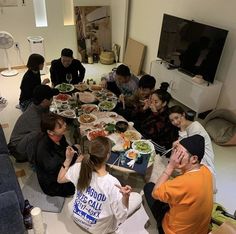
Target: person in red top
(184, 204)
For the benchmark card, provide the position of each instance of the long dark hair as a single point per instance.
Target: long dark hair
(34, 61)
(98, 151)
(162, 93)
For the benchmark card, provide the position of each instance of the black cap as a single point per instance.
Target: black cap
(67, 53)
(195, 145)
(42, 92)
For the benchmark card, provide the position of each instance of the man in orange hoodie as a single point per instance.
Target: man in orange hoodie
(183, 205)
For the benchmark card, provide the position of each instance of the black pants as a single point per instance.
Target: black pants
(157, 207)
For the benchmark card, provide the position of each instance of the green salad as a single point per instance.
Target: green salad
(64, 87)
(142, 146)
(107, 105)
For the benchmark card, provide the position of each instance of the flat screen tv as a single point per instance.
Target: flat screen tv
(192, 47)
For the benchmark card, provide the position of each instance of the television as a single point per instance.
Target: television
(192, 47)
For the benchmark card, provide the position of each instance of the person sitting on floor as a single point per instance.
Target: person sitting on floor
(66, 65)
(51, 151)
(120, 81)
(100, 203)
(154, 123)
(183, 204)
(27, 127)
(189, 128)
(31, 79)
(132, 105)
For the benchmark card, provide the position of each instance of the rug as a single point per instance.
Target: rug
(38, 198)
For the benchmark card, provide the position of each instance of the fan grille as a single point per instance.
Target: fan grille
(6, 40)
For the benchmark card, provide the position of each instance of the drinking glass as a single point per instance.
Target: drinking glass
(68, 77)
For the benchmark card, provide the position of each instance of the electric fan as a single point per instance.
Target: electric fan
(6, 42)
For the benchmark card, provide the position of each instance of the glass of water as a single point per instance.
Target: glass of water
(68, 77)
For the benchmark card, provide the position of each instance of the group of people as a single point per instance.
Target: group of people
(100, 204)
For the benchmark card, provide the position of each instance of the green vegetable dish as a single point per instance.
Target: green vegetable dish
(63, 88)
(107, 105)
(143, 146)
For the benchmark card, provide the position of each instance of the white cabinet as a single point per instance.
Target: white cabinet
(198, 97)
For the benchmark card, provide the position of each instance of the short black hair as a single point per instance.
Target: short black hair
(34, 61)
(67, 53)
(123, 70)
(147, 82)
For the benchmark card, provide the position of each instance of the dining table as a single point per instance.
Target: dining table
(118, 159)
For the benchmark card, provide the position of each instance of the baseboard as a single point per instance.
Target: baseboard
(19, 67)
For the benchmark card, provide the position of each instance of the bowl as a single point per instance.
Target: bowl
(121, 126)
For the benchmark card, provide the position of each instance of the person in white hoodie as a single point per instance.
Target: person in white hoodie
(188, 128)
(100, 203)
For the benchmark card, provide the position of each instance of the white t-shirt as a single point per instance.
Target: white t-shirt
(99, 208)
(196, 128)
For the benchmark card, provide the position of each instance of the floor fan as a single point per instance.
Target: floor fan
(6, 42)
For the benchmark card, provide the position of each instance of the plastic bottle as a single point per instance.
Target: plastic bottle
(27, 216)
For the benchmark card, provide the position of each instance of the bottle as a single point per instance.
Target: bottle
(27, 216)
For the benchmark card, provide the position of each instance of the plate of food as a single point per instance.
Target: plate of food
(132, 154)
(68, 114)
(62, 97)
(95, 133)
(143, 146)
(132, 135)
(112, 114)
(88, 108)
(86, 97)
(87, 118)
(81, 86)
(64, 87)
(95, 87)
(118, 141)
(107, 105)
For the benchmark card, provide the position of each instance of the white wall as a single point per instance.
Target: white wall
(145, 24)
(20, 22)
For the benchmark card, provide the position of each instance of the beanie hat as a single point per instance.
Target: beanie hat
(195, 145)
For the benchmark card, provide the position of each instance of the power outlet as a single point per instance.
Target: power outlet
(17, 45)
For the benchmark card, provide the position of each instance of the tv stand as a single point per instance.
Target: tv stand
(186, 72)
(198, 97)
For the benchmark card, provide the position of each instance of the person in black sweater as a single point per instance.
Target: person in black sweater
(50, 155)
(66, 65)
(31, 79)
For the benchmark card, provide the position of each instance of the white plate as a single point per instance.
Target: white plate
(118, 141)
(129, 151)
(81, 86)
(132, 135)
(88, 108)
(86, 97)
(146, 144)
(62, 97)
(111, 114)
(95, 87)
(89, 118)
(107, 105)
(69, 87)
(100, 132)
(68, 114)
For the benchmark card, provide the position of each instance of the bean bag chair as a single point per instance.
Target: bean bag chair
(221, 126)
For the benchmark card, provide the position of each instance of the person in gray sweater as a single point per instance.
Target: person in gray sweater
(27, 127)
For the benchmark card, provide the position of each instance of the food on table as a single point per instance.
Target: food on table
(112, 114)
(68, 113)
(95, 87)
(87, 118)
(107, 105)
(86, 97)
(62, 97)
(81, 86)
(132, 154)
(95, 133)
(143, 146)
(121, 126)
(64, 87)
(132, 135)
(64, 106)
(110, 127)
(88, 108)
(126, 144)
